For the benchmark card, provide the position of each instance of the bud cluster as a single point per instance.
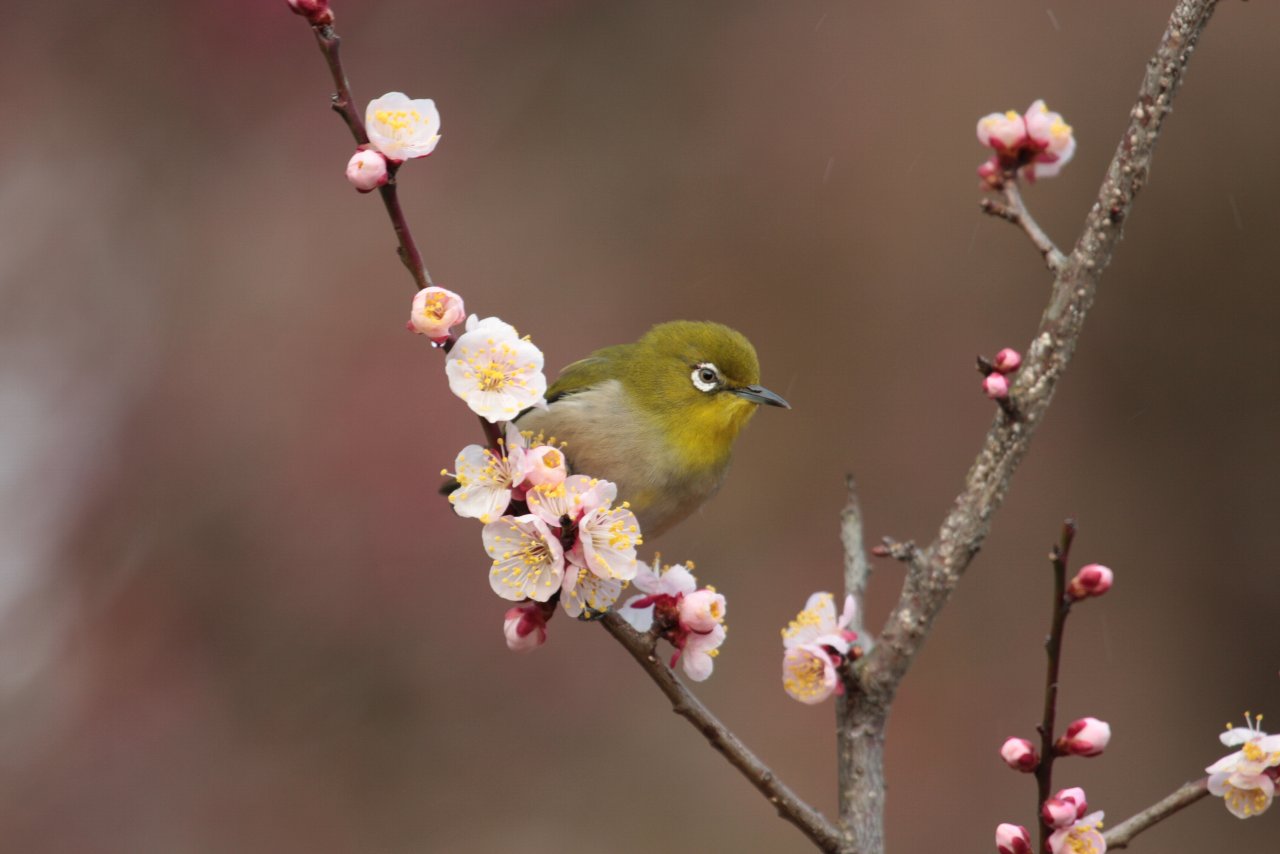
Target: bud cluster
(675, 608)
(1034, 144)
(995, 381)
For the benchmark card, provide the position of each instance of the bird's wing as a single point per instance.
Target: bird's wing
(588, 372)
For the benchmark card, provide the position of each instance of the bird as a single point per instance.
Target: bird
(658, 417)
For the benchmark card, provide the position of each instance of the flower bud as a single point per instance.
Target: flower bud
(1092, 580)
(316, 12)
(1002, 131)
(1007, 360)
(1085, 737)
(1013, 839)
(1019, 754)
(996, 386)
(1058, 812)
(435, 311)
(702, 610)
(991, 173)
(367, 170)
(546, 466)
(525, 627)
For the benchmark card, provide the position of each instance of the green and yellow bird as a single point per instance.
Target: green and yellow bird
(657, 417)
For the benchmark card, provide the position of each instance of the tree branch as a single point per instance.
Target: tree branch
(1014, 210)
(1120, 835)
(930, 583)
(344, 106)
(789, 805)
(1053, 652)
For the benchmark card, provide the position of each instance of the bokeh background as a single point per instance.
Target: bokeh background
(234, 614)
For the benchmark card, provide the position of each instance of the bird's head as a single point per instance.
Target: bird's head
(700, 382)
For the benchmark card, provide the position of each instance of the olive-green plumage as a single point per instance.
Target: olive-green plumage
(657, 417)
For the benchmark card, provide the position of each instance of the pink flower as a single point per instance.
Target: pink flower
(316, 12)
(435, 311)
(525, 627)
(1085, 737)
(1244, 779)
(1051, 138)
(1007, 360)
(367, 170)
(1004, 132)
(809, 673)
(1064, 808)
(815, 643)
(1013, 839)
(546, 466)
(1092, 580)
(1081, 837)
(995, 386)
(402, 128)
(1019, 754)
(696, 630)
(528, 560)
(702, 610)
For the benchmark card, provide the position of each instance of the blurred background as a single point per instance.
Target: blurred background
(235, 616)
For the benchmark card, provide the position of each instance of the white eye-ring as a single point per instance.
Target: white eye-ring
(706, 377)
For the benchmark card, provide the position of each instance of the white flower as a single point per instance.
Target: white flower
(583, 590)
(401, 128)
(1082, 837)
(1241, 779)
(573, 498)
(817, 624)
(674, 582)
(607, 540)
(528, 561)
(498, 373)
(487, 477)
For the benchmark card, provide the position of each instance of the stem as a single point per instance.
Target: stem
(343, 104)
(1053, 648)
(1014, 210)
(1120, 835)
(789, 806)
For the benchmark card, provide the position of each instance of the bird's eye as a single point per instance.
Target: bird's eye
(705, 377)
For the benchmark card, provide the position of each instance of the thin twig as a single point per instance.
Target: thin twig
(1121, 834)
(344, 106)
(1014, 210)
(810, 822)
(857, 569)
(1053, 651)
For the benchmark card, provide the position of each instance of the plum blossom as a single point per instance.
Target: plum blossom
(1035, 144)
(487, 477)
(498, 373)
(546, 466)
(1245, 779)
(1085, 737)
(585, 592)
(402, 128)
(1082, 836)
(1092, 580)
(317, 12)
(525, 627)
(815, 643)
(1019, 754)
(1064, 808)
(367, 170)
(570, 499)
(1013, 839)
(435, 311)
(1007, 360)
(995, 386)
(607, 540)
(692, 619)
(528, 560)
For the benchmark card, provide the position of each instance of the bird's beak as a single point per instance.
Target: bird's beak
(760, 394)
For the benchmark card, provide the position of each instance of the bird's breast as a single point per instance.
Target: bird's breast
(607, 437)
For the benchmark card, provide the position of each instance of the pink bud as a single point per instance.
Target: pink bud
(1058, 812)
(702, 610)
(435, 311)
(1092, 580)
(546, 466)
(1013, 839)
(996, 386)
(1085, 737)
(1007, 360)
(1076, 796)
(367, 170)
(1019, 754)
(315, 11)
(525, 627)
(991, 173)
